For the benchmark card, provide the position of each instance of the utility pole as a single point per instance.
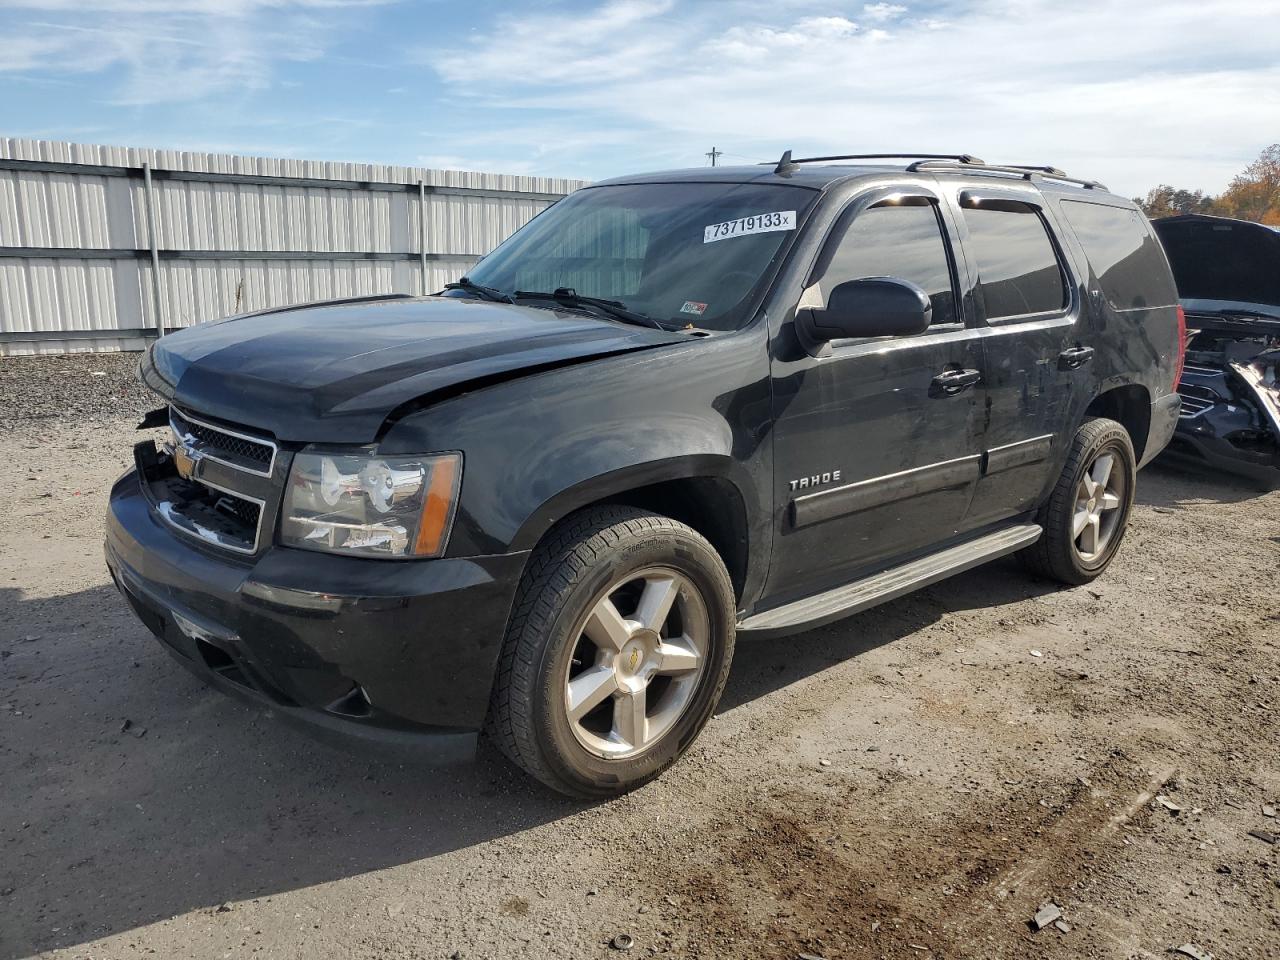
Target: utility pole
(713, 154)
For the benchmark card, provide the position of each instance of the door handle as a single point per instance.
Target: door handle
(1074, 358)
(950, 382)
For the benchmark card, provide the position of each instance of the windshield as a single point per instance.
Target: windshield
(680, 253)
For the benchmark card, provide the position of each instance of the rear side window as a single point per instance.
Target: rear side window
(902, 241)
(1125, 257)
(1017, 264)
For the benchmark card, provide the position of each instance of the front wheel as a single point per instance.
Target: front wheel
(1087, 513)
(616, 654)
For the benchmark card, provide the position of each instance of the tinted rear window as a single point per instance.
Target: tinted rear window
(1125, 257)
(1017, 264)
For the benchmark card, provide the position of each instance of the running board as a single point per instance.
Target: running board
(860, 595)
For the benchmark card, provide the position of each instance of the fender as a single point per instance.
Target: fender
(537, 448)
(620, 481)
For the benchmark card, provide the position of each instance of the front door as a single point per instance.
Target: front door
(877, 444)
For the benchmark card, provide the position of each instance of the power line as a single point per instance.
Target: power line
(714, 154)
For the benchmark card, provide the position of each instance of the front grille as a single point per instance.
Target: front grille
(219, 443)
(214, 516)
(1195, 400)
(1200, 370)
(246, 511)
(214, 483)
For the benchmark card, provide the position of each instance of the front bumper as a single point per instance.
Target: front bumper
(1199, 448)
(390, 654)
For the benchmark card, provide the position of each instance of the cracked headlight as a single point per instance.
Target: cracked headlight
(371, 505)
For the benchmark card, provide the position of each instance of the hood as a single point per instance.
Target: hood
(334, 372)
(1221, 265)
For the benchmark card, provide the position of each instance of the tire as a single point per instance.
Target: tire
(597, 563)
(1059, 553)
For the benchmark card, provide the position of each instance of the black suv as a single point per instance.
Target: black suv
(672, 410)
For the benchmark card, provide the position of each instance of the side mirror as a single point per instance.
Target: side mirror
(872, 307)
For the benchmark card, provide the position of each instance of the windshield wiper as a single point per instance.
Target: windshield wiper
(569, 297)
(485, 293)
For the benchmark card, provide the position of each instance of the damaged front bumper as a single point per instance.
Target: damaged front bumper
(1230, 390)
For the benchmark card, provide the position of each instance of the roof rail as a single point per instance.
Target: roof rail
(787, 164)
(1023, 171)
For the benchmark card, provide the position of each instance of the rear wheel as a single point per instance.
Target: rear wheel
(616, 654)
(1087, 513)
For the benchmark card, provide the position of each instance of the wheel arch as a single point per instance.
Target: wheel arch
(696, 490)
(1129, 405)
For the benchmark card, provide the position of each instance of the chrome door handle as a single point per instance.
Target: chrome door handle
(1074, 358)
(950, 382)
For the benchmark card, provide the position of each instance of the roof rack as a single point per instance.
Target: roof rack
(1020, 170)
(941, 161)
(787, 165)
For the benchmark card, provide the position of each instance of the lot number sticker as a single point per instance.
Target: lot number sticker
(760, 223)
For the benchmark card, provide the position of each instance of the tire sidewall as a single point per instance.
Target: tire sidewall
(561, 751)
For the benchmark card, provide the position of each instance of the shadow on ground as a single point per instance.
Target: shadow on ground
(202, 800)
(1168, 484)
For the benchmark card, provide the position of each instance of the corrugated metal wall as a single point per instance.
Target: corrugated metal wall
(75, 220)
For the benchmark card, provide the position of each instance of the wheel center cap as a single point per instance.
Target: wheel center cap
(634, 658)
(1093, 503)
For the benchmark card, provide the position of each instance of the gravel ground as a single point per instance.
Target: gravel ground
(912, 782)
(67, 388)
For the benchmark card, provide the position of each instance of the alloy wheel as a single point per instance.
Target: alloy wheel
(637, 662)
(1099, 496)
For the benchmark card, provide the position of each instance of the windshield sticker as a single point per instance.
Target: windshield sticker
(760, 223)
(694, 307)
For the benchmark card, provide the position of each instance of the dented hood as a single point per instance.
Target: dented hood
(335, 372)
(1223, 265)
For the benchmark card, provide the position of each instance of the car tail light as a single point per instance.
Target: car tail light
(1182, 347)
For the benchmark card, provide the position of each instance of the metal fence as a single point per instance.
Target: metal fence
(103, 247)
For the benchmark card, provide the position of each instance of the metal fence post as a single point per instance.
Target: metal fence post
(422, 232)
(155, 252)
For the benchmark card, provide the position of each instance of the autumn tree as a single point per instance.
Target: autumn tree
(1255, 193)
(1167, 201)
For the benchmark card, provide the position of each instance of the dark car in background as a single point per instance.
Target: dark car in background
(1228, 276)
(673, 409)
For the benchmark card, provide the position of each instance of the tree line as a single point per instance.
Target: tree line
(1254, 194)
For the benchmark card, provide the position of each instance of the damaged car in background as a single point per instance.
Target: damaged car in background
(1228, 276)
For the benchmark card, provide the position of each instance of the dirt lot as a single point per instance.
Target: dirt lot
(913, 782)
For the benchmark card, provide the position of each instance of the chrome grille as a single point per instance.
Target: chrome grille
(242, 451)
(1195, 401)
(1199, 370)
(221, 483)
(247, 511)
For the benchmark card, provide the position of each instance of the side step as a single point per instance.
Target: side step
(855, 597)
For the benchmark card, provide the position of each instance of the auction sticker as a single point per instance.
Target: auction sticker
(759, 223)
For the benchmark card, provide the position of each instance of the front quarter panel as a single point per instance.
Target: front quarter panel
(538, 448)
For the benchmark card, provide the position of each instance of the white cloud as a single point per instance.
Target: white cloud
(883, 11)
(1131, 94)
(167, 50)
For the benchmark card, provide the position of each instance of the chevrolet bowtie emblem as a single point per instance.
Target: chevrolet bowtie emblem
(184, 460)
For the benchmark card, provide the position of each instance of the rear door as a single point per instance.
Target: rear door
(877, 442)
(1036, 356)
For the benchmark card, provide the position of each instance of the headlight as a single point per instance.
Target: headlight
(370, 505)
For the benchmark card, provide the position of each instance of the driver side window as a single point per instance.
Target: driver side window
(904, 241)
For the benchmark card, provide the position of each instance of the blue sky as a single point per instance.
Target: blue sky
(1131, 93)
